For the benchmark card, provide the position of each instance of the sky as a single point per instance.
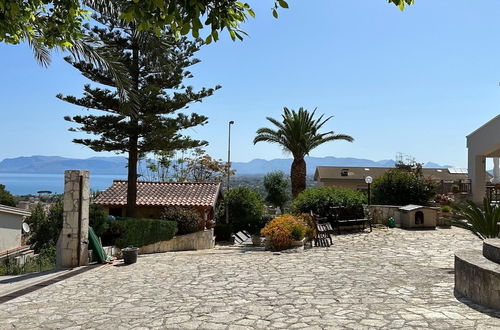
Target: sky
(415, 82)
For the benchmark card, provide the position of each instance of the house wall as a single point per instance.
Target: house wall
(355, 185)
(10, 231)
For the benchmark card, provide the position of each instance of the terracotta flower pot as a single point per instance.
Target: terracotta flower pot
(256, 240)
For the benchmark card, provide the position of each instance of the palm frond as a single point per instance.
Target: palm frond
(40, 52)
(482, 222)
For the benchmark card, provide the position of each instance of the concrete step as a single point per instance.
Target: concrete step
(477, 278)
(491, 249)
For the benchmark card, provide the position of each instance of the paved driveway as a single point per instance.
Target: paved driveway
(386, 279)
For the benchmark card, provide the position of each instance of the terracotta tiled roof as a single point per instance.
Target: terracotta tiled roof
(151, 193)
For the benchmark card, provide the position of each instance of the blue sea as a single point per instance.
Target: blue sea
(24, 184)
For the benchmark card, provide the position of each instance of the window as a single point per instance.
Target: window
(344, 172)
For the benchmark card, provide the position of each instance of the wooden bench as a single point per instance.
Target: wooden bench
(323, 231)
(341, 216)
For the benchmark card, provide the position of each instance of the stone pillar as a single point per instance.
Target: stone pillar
(496, 171)
(477, 175)
(72, 246)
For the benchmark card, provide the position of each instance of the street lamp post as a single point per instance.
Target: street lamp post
(228, 165)
(368, 181)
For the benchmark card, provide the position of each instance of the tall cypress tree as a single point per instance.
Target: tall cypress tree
(157, 66)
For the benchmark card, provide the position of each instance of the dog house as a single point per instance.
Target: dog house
(417, 216)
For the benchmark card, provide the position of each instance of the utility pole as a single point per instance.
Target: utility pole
(228, 165)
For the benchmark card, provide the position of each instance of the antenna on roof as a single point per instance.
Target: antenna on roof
(405, 160)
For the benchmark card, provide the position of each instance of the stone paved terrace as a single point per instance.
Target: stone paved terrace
(390, 278)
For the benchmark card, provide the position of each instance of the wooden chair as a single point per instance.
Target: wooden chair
(323, 231)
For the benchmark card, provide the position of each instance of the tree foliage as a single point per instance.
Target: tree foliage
(321, 199)
(276, 186)
(482, 222)
(6, 198)
(298, 133)
(402, 187)
(45, 227)
(52, 23)
(402, 3)
(245, 207)
(157, 67)
(196, 166)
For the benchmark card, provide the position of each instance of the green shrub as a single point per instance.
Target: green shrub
(320, 199)
(141, 232)
(97, 219)
(245, 207)
(283, 230)
(277, 189)
(188, 220)
(6, 198)
(482, 222)
(45, 260)
(45, 227)
(402, 187)
(446, 208)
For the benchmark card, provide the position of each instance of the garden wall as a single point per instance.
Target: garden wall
(200, 240)
(380, 214)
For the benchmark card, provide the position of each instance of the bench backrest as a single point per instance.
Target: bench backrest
(348, 212)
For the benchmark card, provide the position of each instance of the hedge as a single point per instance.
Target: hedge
(141, 232)
(320, 199)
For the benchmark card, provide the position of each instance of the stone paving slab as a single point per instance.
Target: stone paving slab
(390, 278)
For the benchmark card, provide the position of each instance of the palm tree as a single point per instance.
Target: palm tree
(482, 222)
(298, 134)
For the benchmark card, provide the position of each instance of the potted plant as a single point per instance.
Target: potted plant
(130, 255)
(445, 215)
(254, 228)
(284, 232)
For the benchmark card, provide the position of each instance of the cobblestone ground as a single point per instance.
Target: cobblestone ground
(385, 279)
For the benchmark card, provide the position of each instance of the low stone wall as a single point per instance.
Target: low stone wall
(200, 240)
(380, 214)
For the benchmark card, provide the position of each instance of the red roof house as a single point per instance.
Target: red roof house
(153, 197)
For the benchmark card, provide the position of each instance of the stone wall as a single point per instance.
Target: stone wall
(73, 240)
(380, 214)
(200, 240)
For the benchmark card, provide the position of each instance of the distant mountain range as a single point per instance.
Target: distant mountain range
(117, 165)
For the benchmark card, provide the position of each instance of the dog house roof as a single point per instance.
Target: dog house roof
(412, 207)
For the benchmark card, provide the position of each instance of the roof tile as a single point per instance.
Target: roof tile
(152, 193)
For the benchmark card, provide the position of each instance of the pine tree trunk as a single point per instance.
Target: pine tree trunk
(132, 178)
(133, 151)
(298, 176)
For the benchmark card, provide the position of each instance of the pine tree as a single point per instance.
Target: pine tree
(157, 66)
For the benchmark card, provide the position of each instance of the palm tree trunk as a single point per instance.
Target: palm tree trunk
(298, 176)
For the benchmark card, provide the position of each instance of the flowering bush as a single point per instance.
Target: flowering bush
(444, 199)
(283, 230)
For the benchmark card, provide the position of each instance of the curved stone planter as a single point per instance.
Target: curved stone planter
(477, 278)
(491, 250)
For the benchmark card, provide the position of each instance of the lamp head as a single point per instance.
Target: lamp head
(368, 179)
(231, 122)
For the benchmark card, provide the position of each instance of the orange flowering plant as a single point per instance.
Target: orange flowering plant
(283, 230)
